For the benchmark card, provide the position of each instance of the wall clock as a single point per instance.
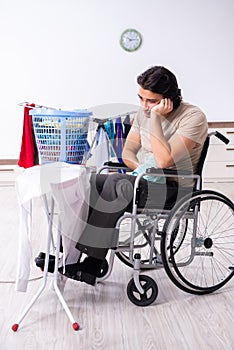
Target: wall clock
(130, 40)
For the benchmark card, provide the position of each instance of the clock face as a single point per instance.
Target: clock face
(130, 40)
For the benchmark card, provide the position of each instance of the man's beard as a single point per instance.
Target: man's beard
(146, 112)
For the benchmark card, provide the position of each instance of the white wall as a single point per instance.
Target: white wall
(66, 54)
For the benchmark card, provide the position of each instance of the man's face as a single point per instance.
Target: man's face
(148, 100)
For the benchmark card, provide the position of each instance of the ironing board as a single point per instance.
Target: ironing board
(36, 182)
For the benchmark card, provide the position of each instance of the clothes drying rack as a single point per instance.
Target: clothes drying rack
(27, 105)
(100, 124)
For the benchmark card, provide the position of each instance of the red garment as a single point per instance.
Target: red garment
(28, 154)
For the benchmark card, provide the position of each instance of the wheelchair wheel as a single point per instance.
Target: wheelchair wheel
(204, 261)
(150, 291)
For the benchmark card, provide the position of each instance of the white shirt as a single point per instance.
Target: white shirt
(70, 187)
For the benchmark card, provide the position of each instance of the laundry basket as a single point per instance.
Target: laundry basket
(61, 136)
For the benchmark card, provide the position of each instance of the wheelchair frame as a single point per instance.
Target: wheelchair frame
(191, 252)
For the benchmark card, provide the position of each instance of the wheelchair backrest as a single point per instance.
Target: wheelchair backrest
(205, 149)
(203, 156)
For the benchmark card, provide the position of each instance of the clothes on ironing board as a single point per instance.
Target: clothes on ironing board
(70, 195)
(72, 198)
(28, 153)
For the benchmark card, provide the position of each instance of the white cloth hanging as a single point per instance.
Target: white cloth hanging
(35, 182)
(102, 153)
(72, 198)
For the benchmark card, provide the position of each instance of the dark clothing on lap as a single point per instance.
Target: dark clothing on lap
(110, 197)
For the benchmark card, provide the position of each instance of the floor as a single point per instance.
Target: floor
(108, 320)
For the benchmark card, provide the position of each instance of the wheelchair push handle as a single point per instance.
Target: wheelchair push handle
(220, 137)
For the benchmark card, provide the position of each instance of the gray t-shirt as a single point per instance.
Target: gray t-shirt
(187, 120)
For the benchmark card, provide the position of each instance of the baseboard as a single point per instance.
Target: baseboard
(8, 161)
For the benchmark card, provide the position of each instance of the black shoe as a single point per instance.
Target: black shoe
(94, 266)
(40, 262)
(74, 271)
(86, 277)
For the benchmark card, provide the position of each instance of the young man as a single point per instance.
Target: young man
(166, 127)
(166, 133)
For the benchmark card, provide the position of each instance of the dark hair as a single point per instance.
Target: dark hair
(160, 80)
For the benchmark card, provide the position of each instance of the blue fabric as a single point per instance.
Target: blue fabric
(149, 163)
(119, 139)
(110, 130)
(109, 127)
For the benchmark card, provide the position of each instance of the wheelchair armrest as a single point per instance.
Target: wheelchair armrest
(158, 171)
(116, 165)
(113, 166)
(179, 174)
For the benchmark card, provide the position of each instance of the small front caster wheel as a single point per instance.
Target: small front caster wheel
(150, 291)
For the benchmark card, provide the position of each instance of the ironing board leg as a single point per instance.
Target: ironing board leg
(26, 310)
(75, 325)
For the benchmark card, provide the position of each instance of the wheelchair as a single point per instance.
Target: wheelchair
(192, 239)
